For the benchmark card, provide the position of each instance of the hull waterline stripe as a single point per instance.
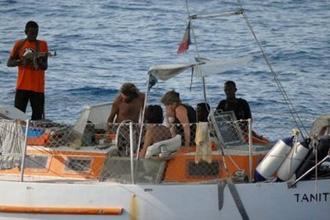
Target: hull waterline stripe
(61, 210)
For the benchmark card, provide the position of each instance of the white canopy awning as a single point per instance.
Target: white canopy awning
(202, 68)
(168, 71)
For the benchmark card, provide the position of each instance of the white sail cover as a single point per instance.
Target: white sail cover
(10, 112)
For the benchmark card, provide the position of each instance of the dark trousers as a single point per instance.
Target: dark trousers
(37, 101)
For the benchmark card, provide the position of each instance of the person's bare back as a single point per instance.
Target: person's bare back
(127, 105)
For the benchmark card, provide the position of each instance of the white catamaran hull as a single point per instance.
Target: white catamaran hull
(307, 200)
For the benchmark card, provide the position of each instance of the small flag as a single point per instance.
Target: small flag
(184, 45)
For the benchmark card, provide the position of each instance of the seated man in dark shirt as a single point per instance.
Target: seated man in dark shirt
(240, 106)
(241, 109)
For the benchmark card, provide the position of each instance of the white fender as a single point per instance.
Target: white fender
(292, 161)
(273, 159)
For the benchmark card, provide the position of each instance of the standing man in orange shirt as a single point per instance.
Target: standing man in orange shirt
(31, 57)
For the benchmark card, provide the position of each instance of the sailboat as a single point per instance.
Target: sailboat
(58, 171)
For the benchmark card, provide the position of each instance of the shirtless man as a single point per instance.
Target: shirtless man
(127, 105)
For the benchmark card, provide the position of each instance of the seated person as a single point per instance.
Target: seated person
(183, 115)
(240, 107)
(127, 105)
(202, 112)
(155, 131)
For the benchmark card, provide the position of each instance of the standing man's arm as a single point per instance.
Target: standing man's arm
(14, 59)
(12, 62)
(43, 60)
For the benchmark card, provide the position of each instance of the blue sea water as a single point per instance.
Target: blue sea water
(101, 44)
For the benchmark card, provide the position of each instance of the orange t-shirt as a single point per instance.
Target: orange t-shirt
(29, 78)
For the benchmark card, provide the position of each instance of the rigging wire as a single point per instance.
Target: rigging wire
(294, 114)
(286, 98)
(196, 49)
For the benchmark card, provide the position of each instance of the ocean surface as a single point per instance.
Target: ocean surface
(101, 44)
